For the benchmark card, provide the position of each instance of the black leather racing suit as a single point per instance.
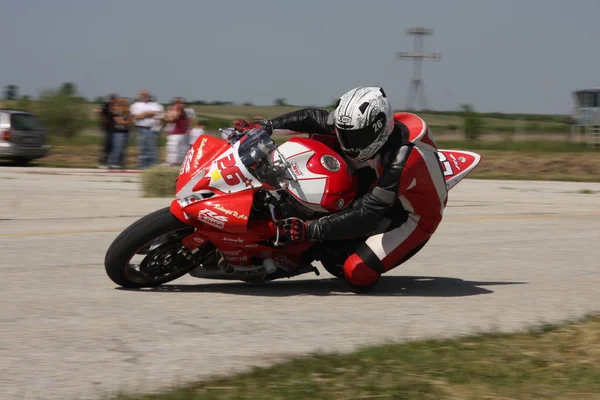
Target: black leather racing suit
(379, 202)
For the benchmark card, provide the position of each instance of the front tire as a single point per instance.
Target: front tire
(167, 261)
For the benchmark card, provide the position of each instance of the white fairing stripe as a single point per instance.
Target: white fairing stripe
(435, 172)
(310, 187)
(384, 243)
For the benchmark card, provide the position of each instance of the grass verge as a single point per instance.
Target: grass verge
(527, 146)
(549, 362)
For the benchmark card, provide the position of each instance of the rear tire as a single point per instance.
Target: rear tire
(138, 235)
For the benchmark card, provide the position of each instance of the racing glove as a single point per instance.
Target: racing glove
(293, 228)
(244, 125)
(297, 230)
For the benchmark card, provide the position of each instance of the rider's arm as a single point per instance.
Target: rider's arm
(363, 219)
(309, 120)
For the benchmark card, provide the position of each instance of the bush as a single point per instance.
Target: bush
(62, 113)
(26, 104)
(159, 181)
(473, 122)
(533, 127)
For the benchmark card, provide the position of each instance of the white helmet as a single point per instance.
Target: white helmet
(363, 121)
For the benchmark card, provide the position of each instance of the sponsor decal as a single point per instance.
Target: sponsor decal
(340, 203)
(185, 167)
(230, 212)
(455, 161)
(231, 252)
(296, 169)
(238, 241)
(199, 153)
(212, 218)
(330, 163)
(198, 240)
(233, 240)
(345, 119)
(186, 201)
(285, 263)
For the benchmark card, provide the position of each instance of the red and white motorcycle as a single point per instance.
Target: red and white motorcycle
(230, 196)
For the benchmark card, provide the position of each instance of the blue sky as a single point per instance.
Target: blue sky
(500, 55)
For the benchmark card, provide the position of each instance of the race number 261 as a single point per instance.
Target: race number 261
(229, 171)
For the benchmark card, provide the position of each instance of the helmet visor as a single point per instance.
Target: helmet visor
(353, 141)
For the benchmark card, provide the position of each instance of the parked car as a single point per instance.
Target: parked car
(22, 136)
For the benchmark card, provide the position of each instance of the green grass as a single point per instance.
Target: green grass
(529, 146)
(529, 176)
(548, 362)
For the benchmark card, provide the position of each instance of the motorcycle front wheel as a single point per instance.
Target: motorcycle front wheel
(150, 253)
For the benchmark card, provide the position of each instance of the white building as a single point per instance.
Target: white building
(587, 107)
(586, 115)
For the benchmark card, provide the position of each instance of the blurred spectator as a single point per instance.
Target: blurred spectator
(191, 114)
(146, 114)
(106, 122)
(197, 131)
(177, 137)
(122, 120)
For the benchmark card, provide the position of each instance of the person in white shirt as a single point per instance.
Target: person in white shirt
(197, 131)
(147, 115)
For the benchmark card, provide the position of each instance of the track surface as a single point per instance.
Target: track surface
(508, 254)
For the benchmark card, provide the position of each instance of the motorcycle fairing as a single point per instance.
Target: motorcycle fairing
(457, 164)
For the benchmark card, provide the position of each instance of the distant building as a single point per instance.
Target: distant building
(587, 107)
(586, 115)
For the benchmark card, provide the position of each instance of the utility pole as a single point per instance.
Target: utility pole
(416, 84)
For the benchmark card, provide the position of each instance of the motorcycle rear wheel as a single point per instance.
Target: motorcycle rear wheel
(157, 237)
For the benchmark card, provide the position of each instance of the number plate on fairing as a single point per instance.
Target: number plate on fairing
(229, 175)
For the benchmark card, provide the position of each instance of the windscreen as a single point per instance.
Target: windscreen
(254, 146)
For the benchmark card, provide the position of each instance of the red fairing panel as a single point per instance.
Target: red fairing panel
(222, 213)
(457, 164)
(420, 134)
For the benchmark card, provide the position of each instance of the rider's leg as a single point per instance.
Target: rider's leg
(384, 251)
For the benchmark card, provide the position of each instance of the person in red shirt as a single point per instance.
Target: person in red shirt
(177, 138)
(407, 194)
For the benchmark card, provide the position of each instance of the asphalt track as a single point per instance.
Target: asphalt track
(508, 255)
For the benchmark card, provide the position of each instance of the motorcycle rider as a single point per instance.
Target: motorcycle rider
(404, 204)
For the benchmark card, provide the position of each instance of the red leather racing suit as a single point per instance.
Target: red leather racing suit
(401, 209)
